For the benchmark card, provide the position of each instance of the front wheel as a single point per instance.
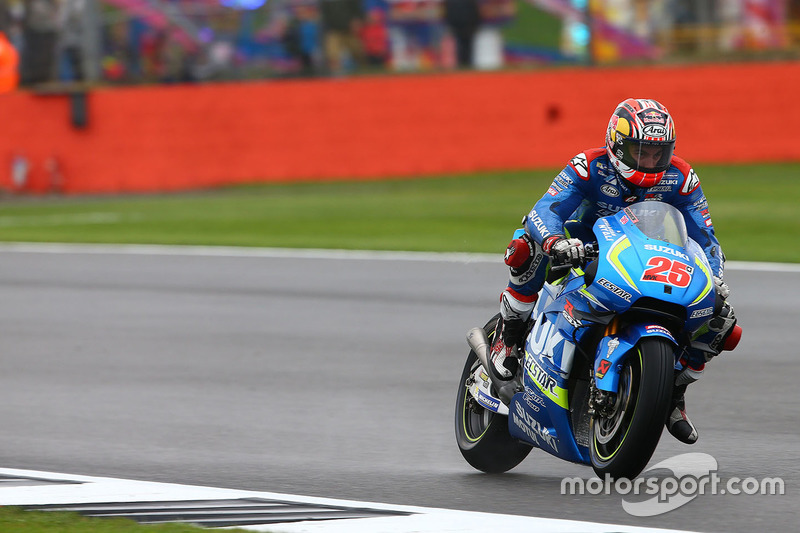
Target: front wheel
(621, 444)
(482, 435)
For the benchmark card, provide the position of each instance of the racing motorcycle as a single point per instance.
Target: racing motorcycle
(604, 342)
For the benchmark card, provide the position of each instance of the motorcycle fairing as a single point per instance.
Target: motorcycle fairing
(540, 415)
(561, 316)
(534, 419)
(673, 273)
(612, 351)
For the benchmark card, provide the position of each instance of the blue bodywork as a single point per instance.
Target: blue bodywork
(632, 268)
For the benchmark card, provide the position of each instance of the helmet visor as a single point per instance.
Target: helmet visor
(645, 156)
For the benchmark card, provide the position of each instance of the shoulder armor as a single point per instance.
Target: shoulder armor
(690, 180)
(580, 163)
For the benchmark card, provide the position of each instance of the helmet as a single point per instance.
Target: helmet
(640, 141)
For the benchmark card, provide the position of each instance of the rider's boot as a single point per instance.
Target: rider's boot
(693, 367)
(515, 310)
(678, 422)
(504, 355)
(720, 333)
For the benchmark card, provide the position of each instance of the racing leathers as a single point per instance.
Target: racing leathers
(589, 188)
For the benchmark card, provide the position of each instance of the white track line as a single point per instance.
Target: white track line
(244, 251)
(95, 490)
(306, 253)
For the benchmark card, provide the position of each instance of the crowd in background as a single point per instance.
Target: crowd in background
(165, 41)
(201, 40)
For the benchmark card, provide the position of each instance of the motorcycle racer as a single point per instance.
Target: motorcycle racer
(637, 163)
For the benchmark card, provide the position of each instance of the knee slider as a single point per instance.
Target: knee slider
(524, 258)
(519, 253)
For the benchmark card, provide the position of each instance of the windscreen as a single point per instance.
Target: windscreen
(659, 221)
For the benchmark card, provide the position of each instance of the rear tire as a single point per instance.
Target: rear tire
(621, 445)
(482, 435)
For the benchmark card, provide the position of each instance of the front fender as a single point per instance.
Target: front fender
(612, 350)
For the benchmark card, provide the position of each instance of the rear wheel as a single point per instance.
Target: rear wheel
(482, 435)
(621, 444)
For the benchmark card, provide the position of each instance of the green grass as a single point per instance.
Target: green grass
(754, 209)
(15, 520)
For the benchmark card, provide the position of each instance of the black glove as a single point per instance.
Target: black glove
(722, 288)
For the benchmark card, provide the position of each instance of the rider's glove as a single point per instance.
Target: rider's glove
(563, 250)
(722, 288)
(519, 254)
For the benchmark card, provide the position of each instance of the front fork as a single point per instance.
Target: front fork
(601, 402)
(611, 352)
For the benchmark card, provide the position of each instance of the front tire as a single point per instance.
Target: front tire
(623, 443)
(482, 435)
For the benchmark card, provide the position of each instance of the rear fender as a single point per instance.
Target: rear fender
(612, 350)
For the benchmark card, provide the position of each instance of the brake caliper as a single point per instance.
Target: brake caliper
(601, 403)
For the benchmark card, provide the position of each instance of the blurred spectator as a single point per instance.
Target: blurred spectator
(72, 19)
(308, 27)
(183, 40)
(415, 34)
(693, 19)
(463, 17)
(221, 57)
(152, 54)
(763, 24)
(117, 53)
(341, 22)
(302, 38)
(40, 33)
(375, 38)
(177, 61)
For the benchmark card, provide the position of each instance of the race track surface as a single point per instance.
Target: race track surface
(337, 378)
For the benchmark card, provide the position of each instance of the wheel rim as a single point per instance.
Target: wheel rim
(609, 433)
(607, 428)
(476, 419)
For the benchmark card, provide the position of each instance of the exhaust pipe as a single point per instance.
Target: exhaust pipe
(479, 342)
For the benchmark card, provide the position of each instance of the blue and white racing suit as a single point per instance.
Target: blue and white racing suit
(589, 188)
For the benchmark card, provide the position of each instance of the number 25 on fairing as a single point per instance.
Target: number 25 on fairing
(666, 270)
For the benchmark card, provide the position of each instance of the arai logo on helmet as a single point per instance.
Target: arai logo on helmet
(654, 130)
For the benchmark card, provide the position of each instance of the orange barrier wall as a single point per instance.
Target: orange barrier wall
(174, 137)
